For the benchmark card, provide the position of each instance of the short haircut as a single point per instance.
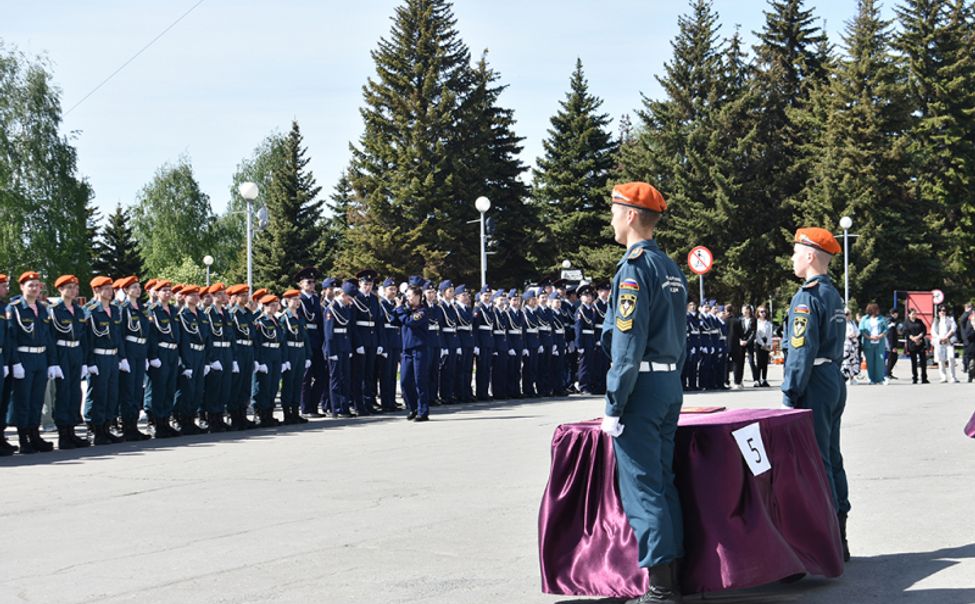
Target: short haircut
(646, 219)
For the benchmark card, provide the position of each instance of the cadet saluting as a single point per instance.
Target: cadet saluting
(645, 332)
(812, 378)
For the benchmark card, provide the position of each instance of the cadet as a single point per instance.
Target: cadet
(6, 449)
(600, 359)
(69, 329)
(559, 352)
(434, 337)
(242, 315)
(465, 326)
(544, 383)
(193, 337)
(707, 350)
(483, 321)
(449, 344)
(514, 323)
(296, 359)
(163, 354)
(135, 331)
(365, 343)
(417, 354)
(338, 349)
(690, 374)
(499, 364)
(314, 383)
(30, 348)
(585, 340)
(218, 384)
(529, 366)
(812, 378)
(268, 339)
(104, 361)
(392, 343)
(721, 361)
(644, 330)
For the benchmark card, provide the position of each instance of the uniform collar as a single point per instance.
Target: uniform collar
(646, 244)
(820, 278)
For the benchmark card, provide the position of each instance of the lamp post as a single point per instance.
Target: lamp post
(483, 204)
(566, 264)
(845, 223)
(208, 260)
(248, 191)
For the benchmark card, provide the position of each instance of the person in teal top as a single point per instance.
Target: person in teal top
(644, 334)
(812, 376)
(873, 328)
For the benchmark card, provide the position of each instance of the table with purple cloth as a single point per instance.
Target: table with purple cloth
(740, 530)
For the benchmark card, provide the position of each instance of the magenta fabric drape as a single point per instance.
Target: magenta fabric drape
(740, 530)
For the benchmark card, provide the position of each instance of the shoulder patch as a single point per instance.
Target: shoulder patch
(798, 332)
(624, 324)
(810, 285)
(801, 309)
(627, 305)
(636, 253)
(630, 284)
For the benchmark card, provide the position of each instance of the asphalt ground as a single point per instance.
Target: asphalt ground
(384, 510)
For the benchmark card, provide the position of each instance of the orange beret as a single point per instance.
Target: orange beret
(234, 290)
(260, 294)
(125, 282)
(291, 293)
(267, 299)
(217, 287)
(29, 276)
(100, 282)
(151, 283)
(64, 280)
(178, 288)
(818, 238)
(190, 289)
(161, 283)
(4, 278)
(639, 195)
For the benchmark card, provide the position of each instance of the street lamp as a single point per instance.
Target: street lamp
(483, 204)
(566, 264)
(845, 223)
(208, 260)
(248, 191)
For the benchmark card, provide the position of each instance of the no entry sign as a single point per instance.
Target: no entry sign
(700, 260)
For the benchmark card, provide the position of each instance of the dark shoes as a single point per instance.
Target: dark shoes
(663, 587)
(411, 416)
(846, 546)
(131, 433)
(422, 418)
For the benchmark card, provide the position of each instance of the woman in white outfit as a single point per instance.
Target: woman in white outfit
(851, 351)
(943, 330)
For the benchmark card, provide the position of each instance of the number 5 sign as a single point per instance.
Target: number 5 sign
(752, 448)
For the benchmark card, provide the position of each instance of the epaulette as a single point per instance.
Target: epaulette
(810, 285)
(636, 253)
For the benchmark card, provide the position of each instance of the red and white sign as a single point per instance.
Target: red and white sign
(700, 260)
(937, 296)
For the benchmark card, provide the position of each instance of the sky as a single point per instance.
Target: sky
(232, 72)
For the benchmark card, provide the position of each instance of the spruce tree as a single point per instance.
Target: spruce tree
(344, 212)
(570, 181)
(93, 217)
(294, 212)
(118, 252)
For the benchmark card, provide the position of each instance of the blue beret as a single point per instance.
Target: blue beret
(512, 293)
(530, 295)
(329, 282)
(350, 287)
(496, 295)
(485, 288)
(415, 280)
(389, 281)
(553, 296)
(460, 289)
(446, 284)
(428, 285)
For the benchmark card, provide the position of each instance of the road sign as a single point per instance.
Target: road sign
(937, 296)
(700, 260)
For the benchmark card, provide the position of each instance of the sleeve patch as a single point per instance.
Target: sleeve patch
(627, 305)
(630, 284)
(801, 309)
(624, 325)
(798, 332)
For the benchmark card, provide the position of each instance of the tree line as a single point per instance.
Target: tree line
(745, 143)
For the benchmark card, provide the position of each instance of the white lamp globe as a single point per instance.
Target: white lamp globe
(846, 222)
(248, 190)
(483, 204)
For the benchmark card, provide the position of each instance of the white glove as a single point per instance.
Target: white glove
(147, 364)
(333, 358)
(19, 372)
(693, 350)
(52, 372)
(285, 366)
(512, 353)
(235, 368)
(262, 368)
(555, 353)
(477, 351)
(123, 365)
(459, 352)
(379, 350)
(541, 350)
(360, 350)
(385, 355)
(257, 366)
(84, 371)
(216, 366)
(524, 352)
(582, 350)
(307, 363)
(443, 352)
(93, 370)
(206, 370)
(155, 363)
(555, 349)
(188, 373)
(611, 426)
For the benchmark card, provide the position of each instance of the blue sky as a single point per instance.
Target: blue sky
(231, 72)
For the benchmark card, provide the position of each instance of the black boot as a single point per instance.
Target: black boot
(130, 431)
(296, 416)
(112, 437)
(163, 428)
(289, 417)
(65, 440)
(23, 435)
(663, 587)
(39, 443)
(79, 442)
(101, 435)
(846, 546)
(216, 423)
(187, 425)
(6, 449)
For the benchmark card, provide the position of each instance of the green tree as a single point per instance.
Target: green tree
(43, 201)
(118, 252)
(937, 44)
(92, 220)
(187, 270)
(294, 212)
(570, 182)
(345, 211)
(172, 219)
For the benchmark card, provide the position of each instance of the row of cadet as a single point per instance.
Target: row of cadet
(193, 357)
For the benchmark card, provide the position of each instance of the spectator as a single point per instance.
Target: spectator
(917, 347)
(873, 328)
(894, 331)
(943, 333)
(742, 343)
(763, 346)
(851, 350)
(962, 321)
(968, 339)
